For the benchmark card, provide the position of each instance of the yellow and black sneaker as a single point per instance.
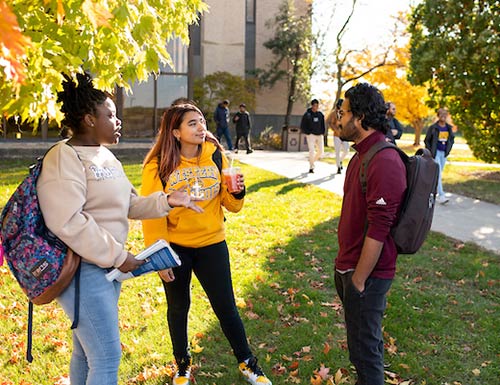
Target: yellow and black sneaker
(183, 374)
(253, 373)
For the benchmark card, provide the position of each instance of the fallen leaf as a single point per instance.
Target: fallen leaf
(323, 372)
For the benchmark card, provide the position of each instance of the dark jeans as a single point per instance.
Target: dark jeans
(211, 266)
(245, 139)
(363, 318)
(224, 131)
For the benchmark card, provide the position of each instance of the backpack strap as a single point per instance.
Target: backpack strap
(29, 344)
(76, 316)
(367, 157)
(217, 158)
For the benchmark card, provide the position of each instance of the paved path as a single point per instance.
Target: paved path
(462, 218)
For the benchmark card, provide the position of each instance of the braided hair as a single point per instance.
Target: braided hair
(78, 99)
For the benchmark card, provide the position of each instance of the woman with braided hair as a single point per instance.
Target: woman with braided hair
(86, 200)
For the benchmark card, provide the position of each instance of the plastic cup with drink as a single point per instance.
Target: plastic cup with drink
(231, 177)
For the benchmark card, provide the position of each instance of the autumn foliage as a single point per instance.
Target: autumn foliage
(118, 42)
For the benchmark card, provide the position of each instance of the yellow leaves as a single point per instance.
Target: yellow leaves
(391, 346)
(195, 341)
(322, 376)
(316, 380)
(62, 380)
(240, 303)
(13, 45)
(148, 309)
(97, 12)
(152, 373)
(60, 12)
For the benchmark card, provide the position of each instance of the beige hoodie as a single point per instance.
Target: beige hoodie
(86, 200)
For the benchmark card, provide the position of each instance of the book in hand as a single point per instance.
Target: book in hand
(158, 256)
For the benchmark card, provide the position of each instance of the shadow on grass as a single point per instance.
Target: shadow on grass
(291, 316)
(266, 184)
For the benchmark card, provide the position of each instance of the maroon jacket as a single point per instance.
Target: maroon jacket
(374, 212)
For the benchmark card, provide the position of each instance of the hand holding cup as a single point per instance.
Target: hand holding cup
(234, 179)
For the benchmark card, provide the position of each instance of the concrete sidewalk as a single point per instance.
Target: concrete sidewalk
(465, 219)
(462, 218)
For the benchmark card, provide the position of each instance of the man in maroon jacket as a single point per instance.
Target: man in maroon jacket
(366, 260)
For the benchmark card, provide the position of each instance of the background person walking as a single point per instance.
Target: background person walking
(221, 117)
(313, 125)
(439, 141)
(341, 147)
(395, 129)
(243, 126)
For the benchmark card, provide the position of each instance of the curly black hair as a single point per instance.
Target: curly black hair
(78, 99)
(367, 102)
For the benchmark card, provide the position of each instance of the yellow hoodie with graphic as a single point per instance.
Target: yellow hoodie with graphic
(184, 226)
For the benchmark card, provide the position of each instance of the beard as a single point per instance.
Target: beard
(348, 133)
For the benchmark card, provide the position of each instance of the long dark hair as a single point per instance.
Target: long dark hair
(167, 149)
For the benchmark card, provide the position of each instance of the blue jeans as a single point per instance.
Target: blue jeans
(441, 160)
(363, 318)
(224, 131)
(96, 340)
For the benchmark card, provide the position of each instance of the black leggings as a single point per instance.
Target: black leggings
(211, 266)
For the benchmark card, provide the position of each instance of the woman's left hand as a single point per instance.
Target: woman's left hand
(167, 275)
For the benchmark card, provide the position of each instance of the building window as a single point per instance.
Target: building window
(250, 39)
(250, 11)
(143, 108)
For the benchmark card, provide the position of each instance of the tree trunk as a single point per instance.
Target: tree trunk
(293, 87)
(419, 125)
(45, 129)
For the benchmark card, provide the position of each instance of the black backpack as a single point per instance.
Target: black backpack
(417, 209)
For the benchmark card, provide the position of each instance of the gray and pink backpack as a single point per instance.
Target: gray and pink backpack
(41, 263)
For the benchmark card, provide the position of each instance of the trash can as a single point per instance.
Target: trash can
(291, 139)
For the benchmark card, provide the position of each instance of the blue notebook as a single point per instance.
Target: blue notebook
(158, 256)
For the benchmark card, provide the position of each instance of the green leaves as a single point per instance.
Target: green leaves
(453, 51)
(117, 41)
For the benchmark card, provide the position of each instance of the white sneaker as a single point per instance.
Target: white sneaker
(442, 200)
(253, 373)
(183, 374)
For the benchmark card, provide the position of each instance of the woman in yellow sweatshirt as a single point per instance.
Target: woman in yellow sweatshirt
(184, 157)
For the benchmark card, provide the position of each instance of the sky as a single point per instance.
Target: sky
(370, 26)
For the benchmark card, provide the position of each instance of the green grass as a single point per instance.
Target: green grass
(441, 324)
